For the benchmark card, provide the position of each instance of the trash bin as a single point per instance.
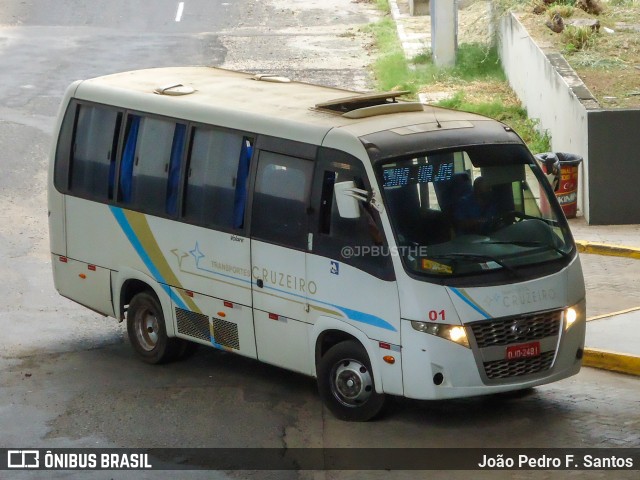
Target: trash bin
(567, 193)
(567, 188)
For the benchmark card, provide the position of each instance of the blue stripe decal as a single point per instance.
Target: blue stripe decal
(137, 245)
(351, 314)
(466, 300)
(365, 318)
(354, 315)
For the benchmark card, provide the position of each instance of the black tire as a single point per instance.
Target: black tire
(186, 349)
(147, 331)
(346, 385)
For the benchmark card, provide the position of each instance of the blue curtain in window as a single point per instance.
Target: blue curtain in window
(240, 197)
(174, 168)
(112, 177)
(128, 157)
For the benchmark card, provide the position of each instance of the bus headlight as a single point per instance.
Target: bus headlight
(574, 314)
(453, 333)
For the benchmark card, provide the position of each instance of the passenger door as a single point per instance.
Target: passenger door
(279, 237)
(350, 265)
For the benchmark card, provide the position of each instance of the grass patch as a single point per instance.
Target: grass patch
(565, 11)
(390, 68)
(382, 5)
(621, 3)
(513, 115)
(578, 38)
(474, 62)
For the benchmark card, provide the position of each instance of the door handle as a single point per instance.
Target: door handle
(259, 283)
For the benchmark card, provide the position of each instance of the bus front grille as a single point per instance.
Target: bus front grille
(518, 329)
(515, 368)
(493, 342)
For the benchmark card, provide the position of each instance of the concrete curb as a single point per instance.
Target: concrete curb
(594, 357)
(606, 249)
(616, 362)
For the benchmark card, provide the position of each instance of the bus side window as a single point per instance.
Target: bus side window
(173, 183)
(93, 154)
(281, 200)
(217, 176)
(242, 183)
(150, 167)
(364, 235)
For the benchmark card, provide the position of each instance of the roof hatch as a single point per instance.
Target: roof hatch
(268, 77)
(174, 90)
(369, 104)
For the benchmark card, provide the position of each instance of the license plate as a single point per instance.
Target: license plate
(526, 350)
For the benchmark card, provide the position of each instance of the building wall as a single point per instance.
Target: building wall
(614, 169)
(552, 93)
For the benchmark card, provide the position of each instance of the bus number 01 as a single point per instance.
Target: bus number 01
(435, 315)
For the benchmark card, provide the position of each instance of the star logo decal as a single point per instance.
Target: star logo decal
(197, 254)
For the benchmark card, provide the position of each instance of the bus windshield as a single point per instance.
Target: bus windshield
(472, 210)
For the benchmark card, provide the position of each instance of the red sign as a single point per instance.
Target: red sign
(526, 350)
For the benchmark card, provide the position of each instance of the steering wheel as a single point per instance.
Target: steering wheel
(505, 219)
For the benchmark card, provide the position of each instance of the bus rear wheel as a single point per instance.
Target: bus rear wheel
(147, 331)
(346, 385)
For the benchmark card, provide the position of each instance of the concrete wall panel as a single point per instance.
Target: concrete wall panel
(551, 92)
(614, 172)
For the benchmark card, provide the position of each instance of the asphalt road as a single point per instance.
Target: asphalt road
(68, 377)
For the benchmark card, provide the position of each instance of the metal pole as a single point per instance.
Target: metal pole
(444, 32)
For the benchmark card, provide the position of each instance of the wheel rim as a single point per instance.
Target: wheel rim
(146, 327)
(351, 383)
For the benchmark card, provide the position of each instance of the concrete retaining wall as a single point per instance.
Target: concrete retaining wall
(607, 139)
(547, 95)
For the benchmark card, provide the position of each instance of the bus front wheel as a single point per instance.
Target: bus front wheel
(147, 331)
(346, 385)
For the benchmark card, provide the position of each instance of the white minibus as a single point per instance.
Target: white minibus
(384, 247)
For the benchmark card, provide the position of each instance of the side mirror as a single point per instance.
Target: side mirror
(348, 198)
(550, 164)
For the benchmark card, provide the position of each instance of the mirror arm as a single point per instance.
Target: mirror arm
(358, 194)
(366, 197)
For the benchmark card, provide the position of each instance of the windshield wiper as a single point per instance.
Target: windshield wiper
(531, 243)
(476, 256)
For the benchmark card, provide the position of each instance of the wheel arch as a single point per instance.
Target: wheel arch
(328, 332)
(128, 283)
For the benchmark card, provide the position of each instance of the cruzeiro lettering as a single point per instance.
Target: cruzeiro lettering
(526, 297)
(284, 280)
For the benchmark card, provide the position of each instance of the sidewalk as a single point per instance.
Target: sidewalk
(610, 255)
(613, 338)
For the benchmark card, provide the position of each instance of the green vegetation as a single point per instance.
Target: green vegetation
(475, 63)
(394, 72)
(513, 115)
(622, 3)
(391, 68)
(565, 11)
(578, 38)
